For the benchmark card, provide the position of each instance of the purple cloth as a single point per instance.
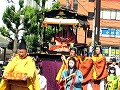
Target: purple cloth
(50, 70)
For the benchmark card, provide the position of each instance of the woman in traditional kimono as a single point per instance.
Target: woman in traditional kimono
(112, 80)
(64, 66)
(72, 77)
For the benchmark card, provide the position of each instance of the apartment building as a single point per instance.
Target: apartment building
(110, 29)
(32, 3)
(109, 23)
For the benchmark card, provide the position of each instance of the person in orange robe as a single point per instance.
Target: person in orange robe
(99, 69)
(86, 68)
(73, 53)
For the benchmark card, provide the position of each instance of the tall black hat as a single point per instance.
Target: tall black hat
(74, 49)
(114, 60)
(22, 45)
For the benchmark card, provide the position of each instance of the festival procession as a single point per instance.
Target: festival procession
(60, 45)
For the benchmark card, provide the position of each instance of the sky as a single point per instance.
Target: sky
(3, 5)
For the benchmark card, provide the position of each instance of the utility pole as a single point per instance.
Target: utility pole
(97, 21)
(96, 26)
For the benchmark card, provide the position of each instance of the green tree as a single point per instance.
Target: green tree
(28, 19)
(55, 5)
(23, 19)
(30, 23)
(7, 34)
(12, 19)
(33, 18)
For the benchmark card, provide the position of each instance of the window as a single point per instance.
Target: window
(113, 14)
(114, 51)
(89, 33)
(117, 51)
(110, 14)
(105, 51)
(101, 14)
(118, 15)
(106, 14)
(91, 0)
(90, 15)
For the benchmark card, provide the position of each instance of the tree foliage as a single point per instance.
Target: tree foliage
(30, 23)
(55, 6)
(4, 32)
(33, 18)
(29, 20)
(32, 42)
(11, 19)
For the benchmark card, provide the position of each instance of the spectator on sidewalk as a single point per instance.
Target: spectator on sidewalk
(115, 66)
(112, 79)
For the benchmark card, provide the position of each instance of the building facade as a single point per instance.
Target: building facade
(109, 23)
(32, 3)
(110, 29)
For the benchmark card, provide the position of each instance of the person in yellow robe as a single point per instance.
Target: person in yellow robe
(21, 63)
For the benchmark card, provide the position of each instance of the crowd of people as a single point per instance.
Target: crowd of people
(77, 72)
(94, 72)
